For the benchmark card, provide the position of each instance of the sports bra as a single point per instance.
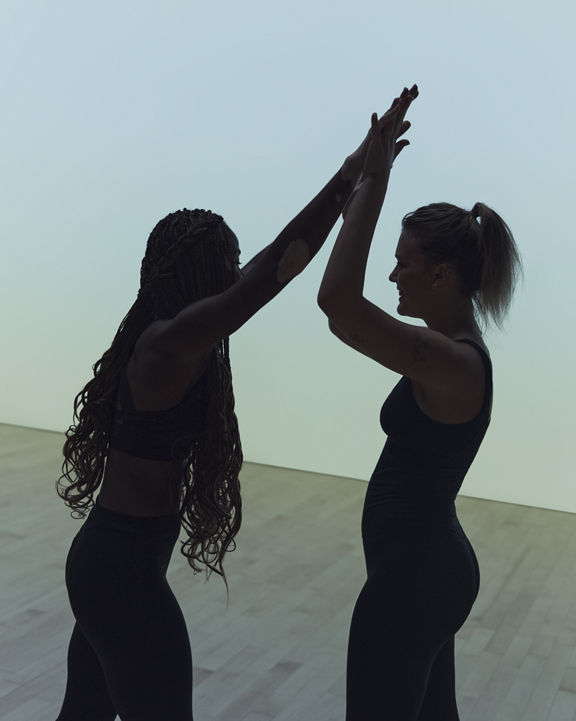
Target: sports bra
(158, 435)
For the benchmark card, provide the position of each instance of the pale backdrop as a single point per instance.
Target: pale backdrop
(116, 113)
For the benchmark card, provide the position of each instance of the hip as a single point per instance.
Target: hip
(431, 552)
(111, 543)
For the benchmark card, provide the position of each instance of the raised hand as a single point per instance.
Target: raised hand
(381, 146)
(384, 143)
(354, 163)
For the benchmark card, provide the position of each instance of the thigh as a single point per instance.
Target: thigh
(390, 653)
(131, 618)
(145, 653)
(86, 697)
(439, 702)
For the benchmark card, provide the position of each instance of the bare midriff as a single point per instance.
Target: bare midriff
(140, 487)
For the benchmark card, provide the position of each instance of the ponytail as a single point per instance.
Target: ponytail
(479, 246)
(501, 266)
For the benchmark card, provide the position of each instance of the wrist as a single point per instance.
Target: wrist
(344, 184)
(348, 173)
(374, 181)
(367, 198)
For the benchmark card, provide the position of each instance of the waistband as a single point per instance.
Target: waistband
(151, 525)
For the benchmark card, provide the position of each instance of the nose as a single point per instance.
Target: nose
(393, 275)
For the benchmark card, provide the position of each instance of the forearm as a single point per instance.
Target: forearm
(278, 263)
(343, 279)
(287, 256)
(314, 222)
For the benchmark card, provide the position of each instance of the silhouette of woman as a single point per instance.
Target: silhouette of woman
(155, 431)
(454, 268)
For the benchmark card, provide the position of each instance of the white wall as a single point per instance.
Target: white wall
(115, 114)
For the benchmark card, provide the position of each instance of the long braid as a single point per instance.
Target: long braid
(86, 444)
(188, 256)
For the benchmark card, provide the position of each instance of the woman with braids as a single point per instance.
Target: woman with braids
(455, 270)
(155, 431)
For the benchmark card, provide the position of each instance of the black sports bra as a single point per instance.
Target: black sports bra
(158, 435)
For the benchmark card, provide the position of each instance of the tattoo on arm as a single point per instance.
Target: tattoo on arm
(420, 350)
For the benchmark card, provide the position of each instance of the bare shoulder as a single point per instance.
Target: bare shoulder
(462, 400)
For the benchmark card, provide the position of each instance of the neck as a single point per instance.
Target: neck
(456, 320)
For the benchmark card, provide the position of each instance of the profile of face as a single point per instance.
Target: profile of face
(413, 276)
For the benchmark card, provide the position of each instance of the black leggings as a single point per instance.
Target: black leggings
(423, 579)
(129, 654)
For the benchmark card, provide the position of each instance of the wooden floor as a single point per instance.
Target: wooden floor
(277, 651)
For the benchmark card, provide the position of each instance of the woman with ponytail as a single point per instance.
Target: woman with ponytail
(156, 434)
(456, 270)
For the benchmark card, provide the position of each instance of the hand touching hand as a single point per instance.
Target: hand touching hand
(354, 163)
(384, 144)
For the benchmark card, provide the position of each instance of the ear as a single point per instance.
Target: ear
(441, 275)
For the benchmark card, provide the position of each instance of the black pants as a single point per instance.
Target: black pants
(129, 654)
(423, 579)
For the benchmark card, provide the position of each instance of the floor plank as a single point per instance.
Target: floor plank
(276, 651)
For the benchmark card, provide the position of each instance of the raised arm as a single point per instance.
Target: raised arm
(195, 330)
(343, 281)
(423, 354)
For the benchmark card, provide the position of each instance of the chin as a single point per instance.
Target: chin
(402, 310)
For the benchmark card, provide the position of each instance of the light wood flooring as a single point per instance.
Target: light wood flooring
(277, 651)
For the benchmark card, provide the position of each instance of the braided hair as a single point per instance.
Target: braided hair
(190, 254)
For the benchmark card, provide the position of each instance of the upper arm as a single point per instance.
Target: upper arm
(422, 354)
(342, 336)
(200, 325)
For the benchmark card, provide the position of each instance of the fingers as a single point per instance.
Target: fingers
(405, 100)
(400, 145)
(392, 124)
(404, 127)
(399, 107)
(411, 93)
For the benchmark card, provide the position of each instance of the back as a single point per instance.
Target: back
(158, 435)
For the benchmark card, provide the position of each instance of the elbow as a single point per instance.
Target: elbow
(336, 308)
(334, 329)
(329, 302)
(323, 302)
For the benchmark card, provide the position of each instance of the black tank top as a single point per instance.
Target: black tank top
(158, 435)
(424, 462)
